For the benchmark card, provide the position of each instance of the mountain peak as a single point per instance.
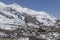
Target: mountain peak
(2, 4)
(27, 22)
(39, 15)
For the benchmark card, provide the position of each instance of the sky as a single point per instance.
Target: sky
(50, 6)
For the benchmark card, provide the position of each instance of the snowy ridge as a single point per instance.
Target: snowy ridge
(39, 15)
(28, 22)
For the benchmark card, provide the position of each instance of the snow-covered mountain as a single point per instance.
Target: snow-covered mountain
(23, 20)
